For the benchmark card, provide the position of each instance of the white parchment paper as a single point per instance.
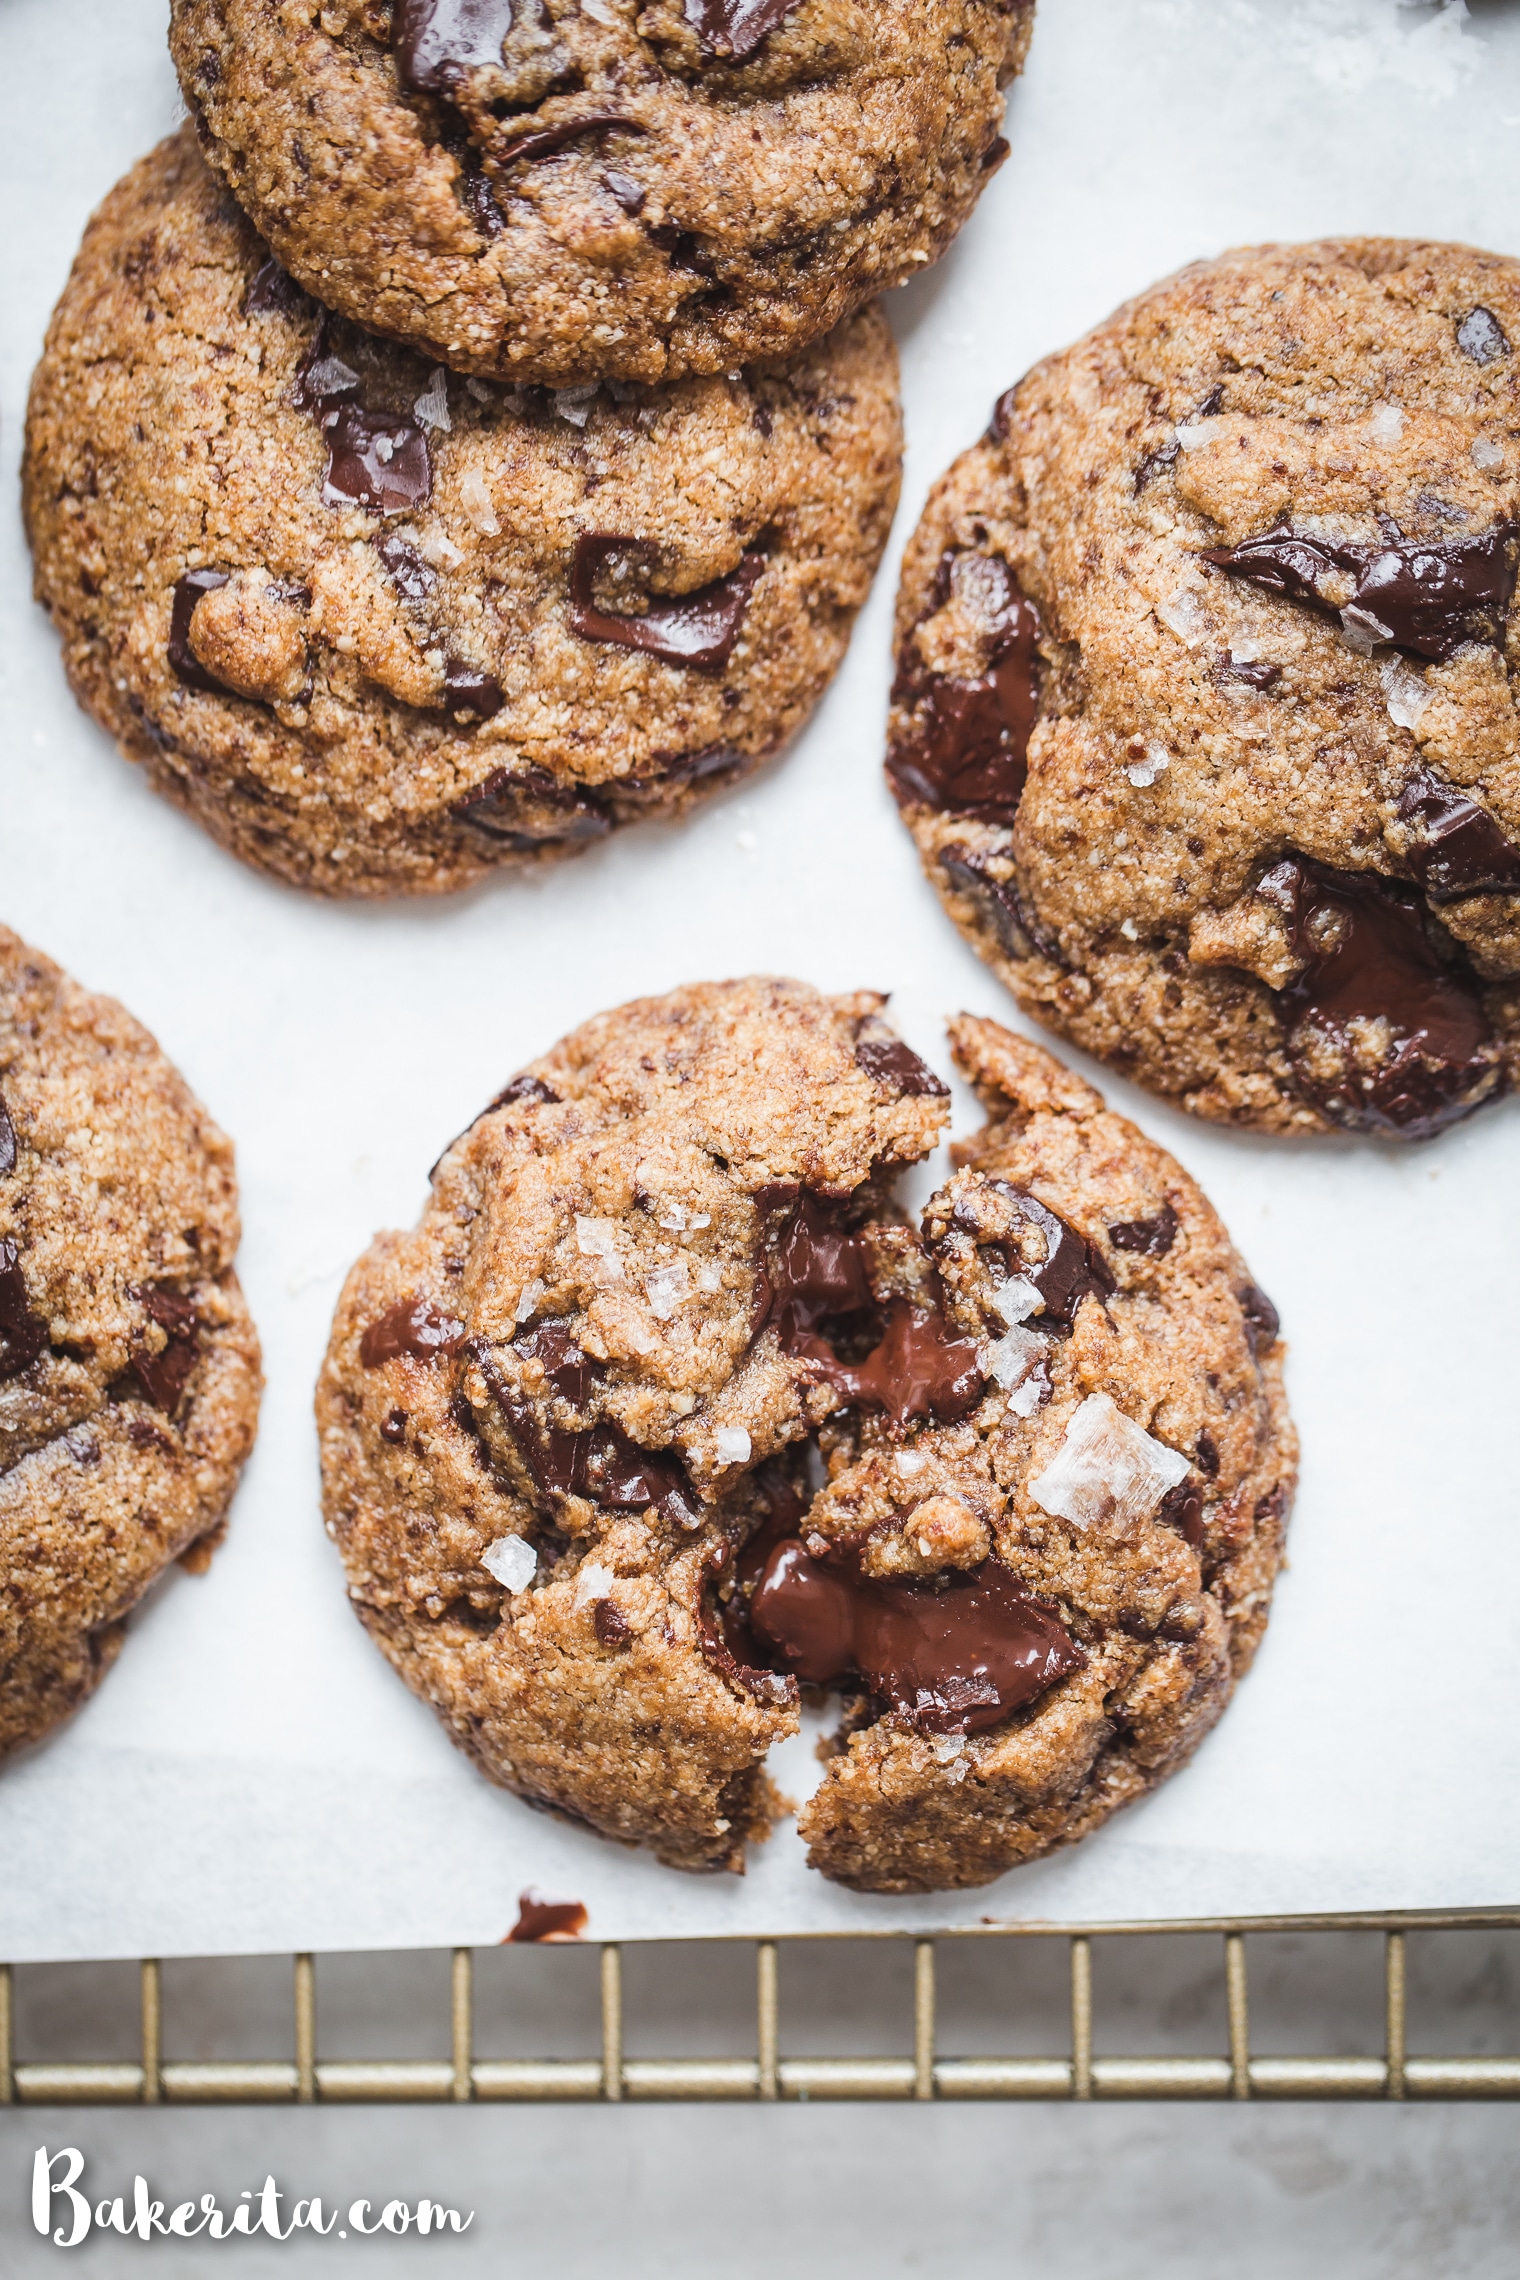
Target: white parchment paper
(252, 1776)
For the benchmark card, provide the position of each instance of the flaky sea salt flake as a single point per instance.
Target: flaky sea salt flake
(1013, 1357)
(1387, 423)
(432, 406)
(511, 1561)
(1108, 1470)
(667, 1287)
(1409, 695)
(531, 1294)
(1486, 453)
(475, 497)
(593, 1582)
(1143, 773)
(1186, 616)
(597, 1239)
(732, 1444)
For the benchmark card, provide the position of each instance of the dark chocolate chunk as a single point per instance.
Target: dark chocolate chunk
(1370, 972)
(1205, 1449)
(438, 41)
(954, 1660)
(547, 140)
(568, 1368)
(23, 1334)
(1002, 415)
(733, 29)
(1156, 463)
(393, 1426)
(630, 195)
(697, 629)
(322, 378)
(414, 577)
(1262, 1327)
(7, 1141)
(1255, 672)
(523, 1088)
(1429, 597)
(1072, 1268)
(599, 1462)
(723, 1627)
(182, 658)
(965, 752)
(1459, 848)
(479, 200)
(164, 1376)
(995, 153)
(1152, 1238)
(465, 690)
(539, 1919)
(817, 1268)
(527, 807)
(1004, 909)
(920, 1370)
(1481, 336)
(1182, 1508)
(274, 288)
(413, 1327)
(610, 1624)
(667, 770)
(374, 462)
(898, 1069)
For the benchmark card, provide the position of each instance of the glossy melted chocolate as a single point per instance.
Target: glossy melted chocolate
(372, 461)
(1368, 959)
(413, 1328)
(23, 1334)
(697, 629)
(182, 658)
(523, 1088)
(920, 1370)
(599, 1461)
(438, 41)
(1426, 596)
(898, 1068)
(954, 1660)
(1459, 848)
(1152, 1237)
(966, 752)
(547, 140)
(1071, 1270)
(1019, 932)
(163, 1377)
(733, 29)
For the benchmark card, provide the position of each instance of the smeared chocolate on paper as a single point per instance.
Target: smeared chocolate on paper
(697, 629)
(540, 1920)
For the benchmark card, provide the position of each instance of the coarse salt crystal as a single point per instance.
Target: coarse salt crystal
(598, 11)
(482, 391)
(709, 1278)
(673, 1218)
(531, 1294)
(1108, 1470)
(440, 551)
(667, 1288)
(1197, 435)
(1025, 1399)
(1017, 1298)
(1408, 693)
(1387, 423)
(511, 1561)
(476, 501)
(701, 1219)
(593, 1582)
(1361, 631)
(385, 449)
(1143, 773)
(1486, 453)
(1129, 930)
(574, 404)
(1014, 1356)
(732, 1444)
(1186, 616)
(432, 406)
(910, 1461)
(597, 1239)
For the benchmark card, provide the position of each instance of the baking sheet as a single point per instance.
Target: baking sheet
(252, 1776)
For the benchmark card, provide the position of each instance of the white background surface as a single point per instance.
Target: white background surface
(252, 1775)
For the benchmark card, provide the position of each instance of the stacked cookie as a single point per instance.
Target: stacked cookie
(510, 463)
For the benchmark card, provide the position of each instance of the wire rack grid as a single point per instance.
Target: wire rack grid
(765, 2075)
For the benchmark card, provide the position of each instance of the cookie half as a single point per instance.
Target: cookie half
(1204, 720)
(664, 1408)
(561, 191)
(380, 629)
(129, 1368)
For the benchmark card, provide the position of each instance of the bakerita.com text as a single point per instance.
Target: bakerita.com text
(62, 2208)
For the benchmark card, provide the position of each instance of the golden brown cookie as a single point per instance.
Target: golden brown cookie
(380, 629)
(664, 1407)
(1204, 719)
(566, 190)
(129, 1369)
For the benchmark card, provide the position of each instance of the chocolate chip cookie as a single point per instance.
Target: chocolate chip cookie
(664, 1408)
(129, 1369)
(1204, 719)
(565, 190)
(380, 629)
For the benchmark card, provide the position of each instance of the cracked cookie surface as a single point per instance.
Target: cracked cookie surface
(380, 630)
(129, 1367)
(664, 1407)
(1204, 718)
(563, 190)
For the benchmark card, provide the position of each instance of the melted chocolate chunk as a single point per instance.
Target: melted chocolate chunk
(1072, 1268)
(527, 808)
(1182, 1508)
(1481, 336)
(273, 288)
(630, 195)
(920, 1370)
(547, 140)
(611, 1625)
(23, 1334)
(414, 577)
(467, 691)
(723, 1625)
(1204, 1449)
(7, 1141)
(374, 462)
(163, 1377)
(182, 658)
(697, 629)
(733, 29)
(393, 1426)
(817, 1269)
(1369, 962)
(1460, 849)
(966, 751)
(1428, 597)
(523, 1088)
(953, 1660)
(1152, 1238)
(599, 1461)
(322, 378)
(548, 1919)
(669, 770)
(568, 1368)
(438, 41)
(1262, 1326)
(898, 1069)
(414, 1328)
(1019, 932)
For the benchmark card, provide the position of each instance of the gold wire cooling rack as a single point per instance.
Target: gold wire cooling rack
(764, 2075)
